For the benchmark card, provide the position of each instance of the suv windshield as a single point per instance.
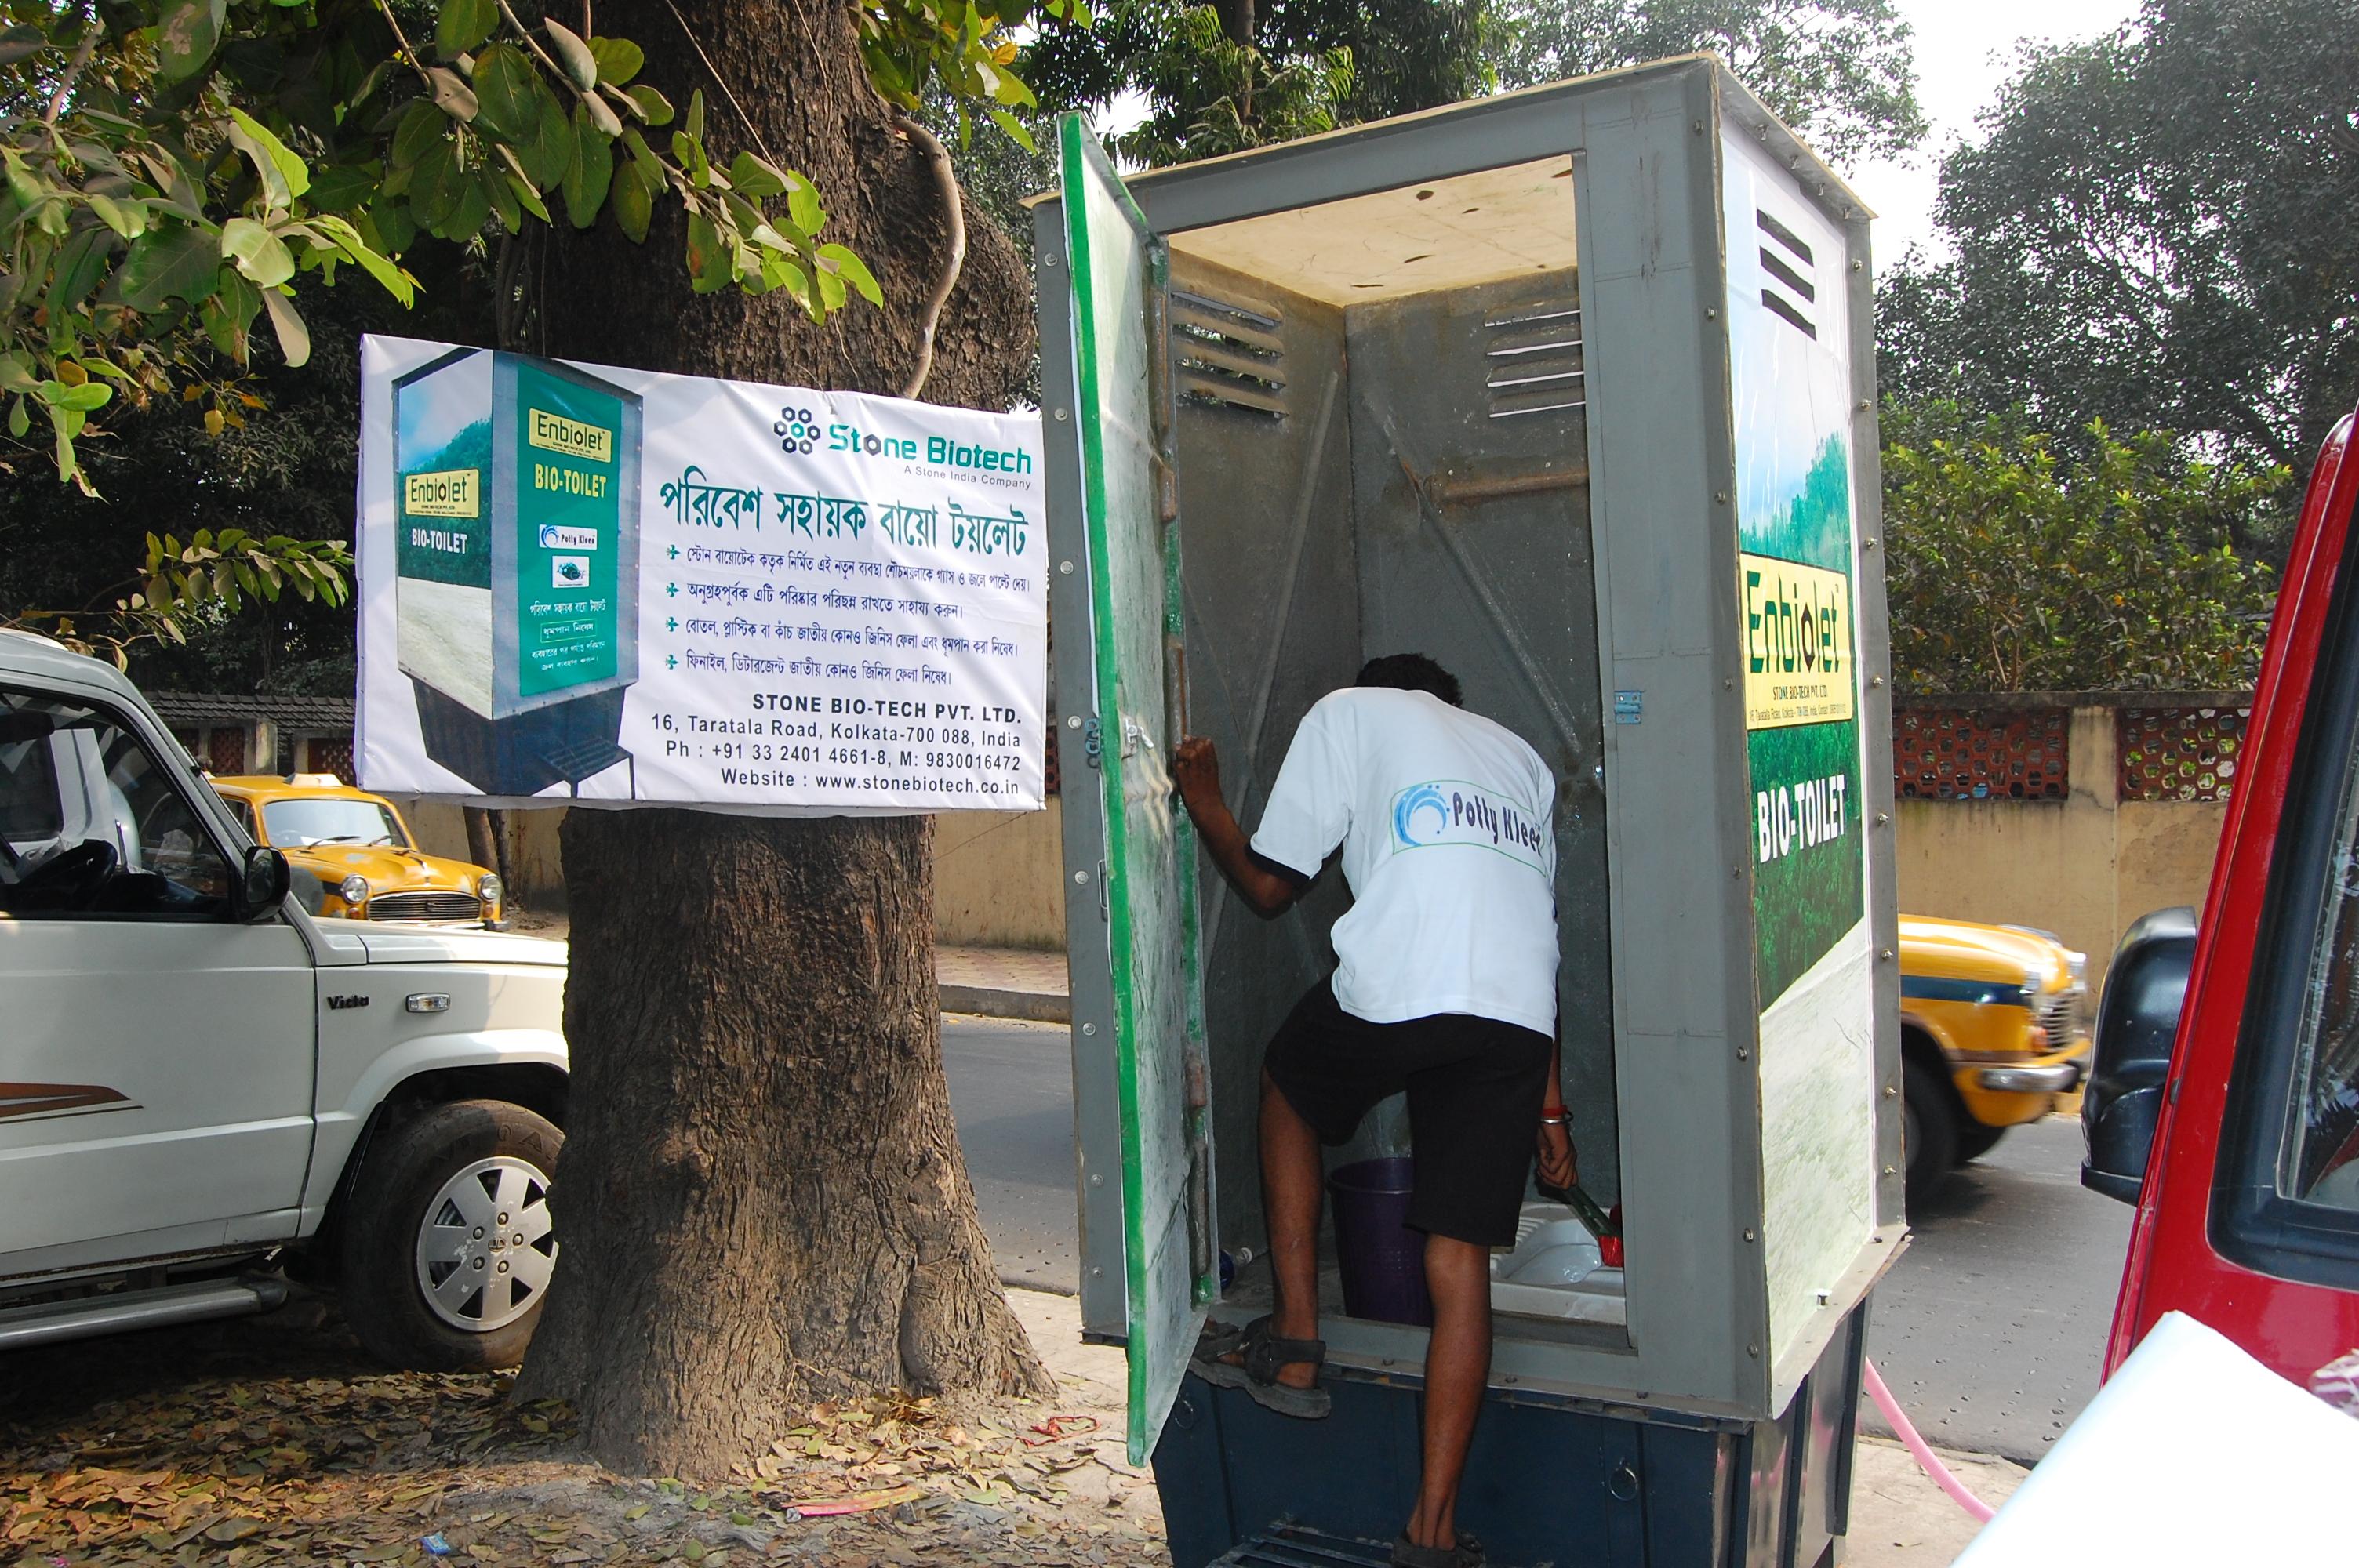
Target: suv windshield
(300, 824)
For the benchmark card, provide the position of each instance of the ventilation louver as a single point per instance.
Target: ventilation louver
(1789, 293)
(1227, 355)
(1534, 360)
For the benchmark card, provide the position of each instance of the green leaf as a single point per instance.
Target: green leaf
(618, 60)
(644, 156)
(499, 191)
(705, 255)
(530, 197)
(434, 189)
(854, 271)
(187, 35)
(81, 265)
(16, 371)
(633, 201)
(504, 82)
(581, 65)
(1015, 129)
(756, 178)
(87, 398)
(591, 174)
(175, 261)
(695, 124)
(550, 153)
(653, 106)
(260, 255)
(461, 25)
(19, 421)
(421, 126)
(294, 337)
(344, 186)
(127, 216)
(803, 210)
(21, 42)
(290, 169)
(474, 206)
(690, 153)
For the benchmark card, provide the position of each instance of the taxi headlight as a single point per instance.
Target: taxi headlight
(354, 890)
(488, 889)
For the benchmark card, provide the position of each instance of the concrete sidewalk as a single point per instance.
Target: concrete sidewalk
(1003, 982)
(1899, 1517)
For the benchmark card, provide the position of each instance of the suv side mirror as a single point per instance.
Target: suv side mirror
(262, 882)
(2137, 1020)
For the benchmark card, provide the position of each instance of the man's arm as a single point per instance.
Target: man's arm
(1196, 768)
(1560, 1167)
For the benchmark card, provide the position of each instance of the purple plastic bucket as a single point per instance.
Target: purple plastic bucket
(1382, 1260)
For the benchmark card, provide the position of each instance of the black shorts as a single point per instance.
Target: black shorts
(1475, 1088)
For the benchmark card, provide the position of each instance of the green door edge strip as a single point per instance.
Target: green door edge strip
(1079, 158)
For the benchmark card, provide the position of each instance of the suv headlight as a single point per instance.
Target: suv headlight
(488, 889)
(354, 890)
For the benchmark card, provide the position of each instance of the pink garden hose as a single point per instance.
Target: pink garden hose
(1918, 1449)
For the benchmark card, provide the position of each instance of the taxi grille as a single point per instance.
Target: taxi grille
(2058, 1012)
(425, 906)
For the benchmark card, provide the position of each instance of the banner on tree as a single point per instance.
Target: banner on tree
(581, 583)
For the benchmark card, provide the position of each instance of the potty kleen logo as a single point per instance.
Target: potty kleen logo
(553, 537)
(1443, 813)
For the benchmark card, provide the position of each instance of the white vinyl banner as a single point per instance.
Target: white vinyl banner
(579, 582)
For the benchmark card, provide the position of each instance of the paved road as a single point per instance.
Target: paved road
(1012, 1090)
(1989, 1329)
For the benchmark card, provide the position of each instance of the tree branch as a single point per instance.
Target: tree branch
(81, 54)
(408, 51)
(954, 213)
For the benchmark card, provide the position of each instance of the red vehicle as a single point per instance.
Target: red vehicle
(2248, 1210)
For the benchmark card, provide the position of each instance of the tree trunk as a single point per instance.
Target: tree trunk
(763, 1194)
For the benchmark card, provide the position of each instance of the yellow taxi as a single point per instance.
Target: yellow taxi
(353, 856)
(1994, 1033)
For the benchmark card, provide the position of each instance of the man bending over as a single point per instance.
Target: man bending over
(1444, 987)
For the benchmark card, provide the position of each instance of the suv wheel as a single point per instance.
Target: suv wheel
(1929, 1128)
(450, 1244)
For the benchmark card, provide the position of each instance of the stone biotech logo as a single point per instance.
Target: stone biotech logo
(798, 430)
(452, 494)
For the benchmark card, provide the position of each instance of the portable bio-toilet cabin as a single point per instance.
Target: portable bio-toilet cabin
(1572, 389)
(518, 566)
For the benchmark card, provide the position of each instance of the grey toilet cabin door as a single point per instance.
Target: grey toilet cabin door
(1130, 500)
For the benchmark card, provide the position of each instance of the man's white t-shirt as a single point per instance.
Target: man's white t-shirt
(1444, 819)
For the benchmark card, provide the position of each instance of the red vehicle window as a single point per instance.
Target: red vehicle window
(2286, 1198)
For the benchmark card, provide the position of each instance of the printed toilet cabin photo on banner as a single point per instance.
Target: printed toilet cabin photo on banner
(587, 584)
(517, 489)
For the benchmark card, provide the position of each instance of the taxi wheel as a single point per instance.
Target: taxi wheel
(1929, 1127)
(1974, 1141)
(449, 1248)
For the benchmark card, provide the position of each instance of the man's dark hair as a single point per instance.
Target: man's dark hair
(1410, 671)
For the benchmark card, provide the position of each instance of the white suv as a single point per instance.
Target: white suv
(198, 1077)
